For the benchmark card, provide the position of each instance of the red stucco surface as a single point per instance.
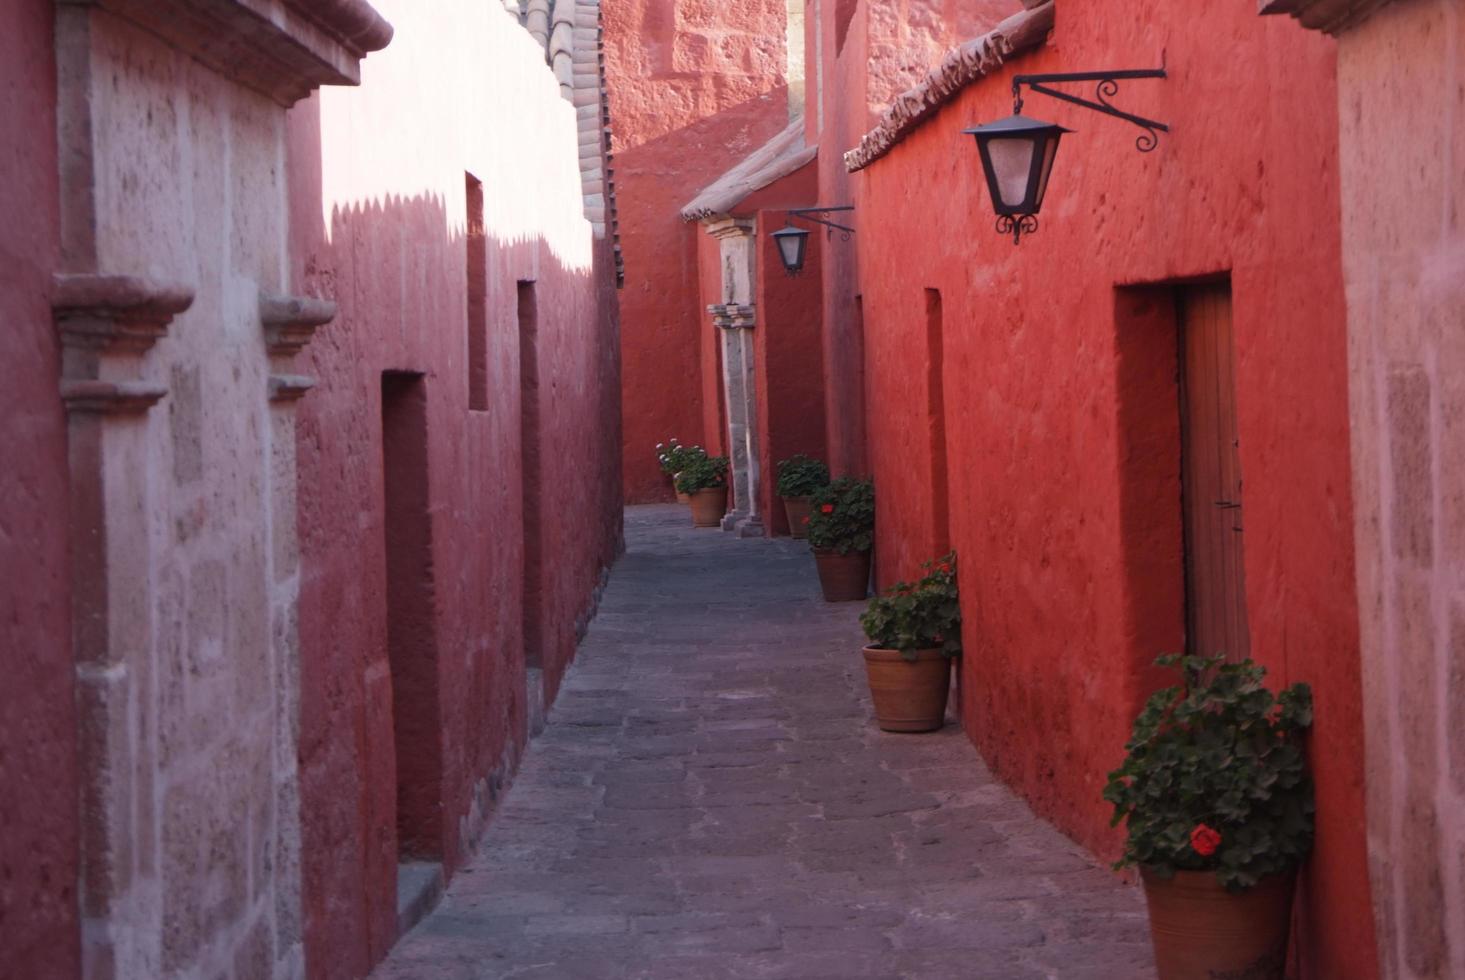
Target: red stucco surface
(395, 263)
(789, 354)
(1059, 402)
(709, 290)
(38, 791)
(695, 86)
(870, 53)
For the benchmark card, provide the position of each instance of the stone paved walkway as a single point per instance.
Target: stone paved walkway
(710, 799)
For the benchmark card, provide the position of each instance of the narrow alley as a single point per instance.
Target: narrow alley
(711, 799)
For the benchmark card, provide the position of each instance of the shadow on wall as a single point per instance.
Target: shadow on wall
(667, 348)
(415, 543)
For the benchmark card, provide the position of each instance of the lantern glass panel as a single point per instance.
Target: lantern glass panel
(791, 242)
(1012, 164)
(1050, 150)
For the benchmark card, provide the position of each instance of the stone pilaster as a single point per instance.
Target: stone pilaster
(184, 575)
(107, 324)
(734, 318)
(289, 323)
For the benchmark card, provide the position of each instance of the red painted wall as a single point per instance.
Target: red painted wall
(709, 342)
(38, 790)
(695, 86)
(394, 256)
(789, 353)
(838, 118)
(1062, 440)
(871, 53)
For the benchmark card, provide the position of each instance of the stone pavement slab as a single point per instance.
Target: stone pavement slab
(711, 799)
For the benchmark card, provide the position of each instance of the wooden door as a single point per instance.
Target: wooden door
(1215, 584)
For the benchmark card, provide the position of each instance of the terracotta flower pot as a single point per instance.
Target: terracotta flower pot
(844, 578)
(797, 511)
(708, 506)
(1201, 931)
(909, 696)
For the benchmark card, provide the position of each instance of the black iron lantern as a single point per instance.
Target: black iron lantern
(1017, 152)
(791, 242)
(1017, 157)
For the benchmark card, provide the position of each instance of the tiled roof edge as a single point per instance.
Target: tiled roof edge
(966, 64)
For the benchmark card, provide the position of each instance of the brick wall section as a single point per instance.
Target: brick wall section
(1403, 190)
(378, 224)
(38, 833)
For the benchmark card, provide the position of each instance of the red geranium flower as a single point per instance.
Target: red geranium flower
(827, 509)
(943, 567)
(806, 520)
(1204, 840)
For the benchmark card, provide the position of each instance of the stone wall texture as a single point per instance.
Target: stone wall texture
(1401, 101)
(172, 174)
(1059, 418)
(38, 791)
(379, 224)
(201, 722)
(695, 86)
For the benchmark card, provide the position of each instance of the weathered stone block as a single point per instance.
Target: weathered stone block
(1425, 943)
(205, 857)
(1418, 679)
(1411, 465)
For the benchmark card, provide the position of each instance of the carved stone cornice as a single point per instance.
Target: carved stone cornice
(111, 397)
(290, 321)
(114, 314)
(721, 227)
(1328, 16)
(289, 387)
(282, 48)
(733, 316)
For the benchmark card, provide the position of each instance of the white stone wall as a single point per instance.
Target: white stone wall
(1402, 118)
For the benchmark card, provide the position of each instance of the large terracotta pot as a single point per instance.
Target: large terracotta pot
(797, 511)
(909, 696)
(1201, 931)
(708, 506)
(844, 578)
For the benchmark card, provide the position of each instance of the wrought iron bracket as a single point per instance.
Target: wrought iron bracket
(1106, 89)
(1016, 225)
(808, 215)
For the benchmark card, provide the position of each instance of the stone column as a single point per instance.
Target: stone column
(107, 324)
(734, 318)
(289, 322)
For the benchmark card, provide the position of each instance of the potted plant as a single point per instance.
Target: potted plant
(799, 478)
(915, 632)
(1219, 808)
(674, 457)
(704, 480)
(841, 534)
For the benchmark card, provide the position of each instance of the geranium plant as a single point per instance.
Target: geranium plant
(801, 476)
(702, 473)
(923, 615)
(842, 517)
(674, 457)
(1216, 777)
